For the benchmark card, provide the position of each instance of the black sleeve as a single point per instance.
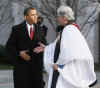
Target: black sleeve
(11, 46)
(45, 30)
(42, 34)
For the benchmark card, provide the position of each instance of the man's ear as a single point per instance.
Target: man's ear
(25, 17)
(64, 18)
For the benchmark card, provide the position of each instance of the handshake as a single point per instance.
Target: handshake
(39, 49)
(24, 55)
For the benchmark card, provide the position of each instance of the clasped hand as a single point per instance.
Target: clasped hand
(23, 54)
(39, 49)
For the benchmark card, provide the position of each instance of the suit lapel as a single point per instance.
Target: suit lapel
(26, 30)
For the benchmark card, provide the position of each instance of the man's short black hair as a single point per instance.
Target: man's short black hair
(26, 11)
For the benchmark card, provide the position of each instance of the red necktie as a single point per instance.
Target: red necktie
(31, 33)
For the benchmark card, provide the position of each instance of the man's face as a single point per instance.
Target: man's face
(31, 18)
(60, 20)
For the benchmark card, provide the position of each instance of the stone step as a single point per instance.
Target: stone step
(6, 79)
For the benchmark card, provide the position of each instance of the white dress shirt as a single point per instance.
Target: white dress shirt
(28, 27)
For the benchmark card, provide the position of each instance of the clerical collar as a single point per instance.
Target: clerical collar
(72, 23)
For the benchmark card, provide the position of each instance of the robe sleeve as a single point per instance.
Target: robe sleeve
(73, 46)
(48, 56)
(77, 59)
(79, 73)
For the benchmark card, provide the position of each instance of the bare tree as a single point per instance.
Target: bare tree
(48, 9)
(74, 5)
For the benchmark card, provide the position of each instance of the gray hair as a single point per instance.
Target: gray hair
(66, 11)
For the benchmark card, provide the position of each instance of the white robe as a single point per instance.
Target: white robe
(78, 70)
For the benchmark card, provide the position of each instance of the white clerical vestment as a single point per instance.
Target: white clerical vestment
(78, 69)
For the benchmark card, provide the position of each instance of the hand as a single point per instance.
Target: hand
(40, 48)
(41, 44)
(24, 55)
(55, 67)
